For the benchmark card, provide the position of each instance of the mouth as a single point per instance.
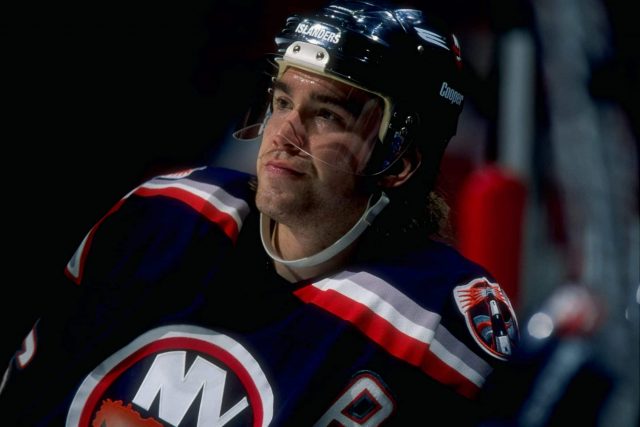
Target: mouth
(283, 168)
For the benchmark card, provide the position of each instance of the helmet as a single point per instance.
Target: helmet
(404, 57)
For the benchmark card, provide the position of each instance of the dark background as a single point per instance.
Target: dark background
(98, 96)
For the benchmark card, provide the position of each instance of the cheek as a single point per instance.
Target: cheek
(264, 143)
(268, 128)
(347, 153)
(336, 182)
(269, 137)
(262, 147)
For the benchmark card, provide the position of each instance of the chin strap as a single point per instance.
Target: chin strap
(338, 246)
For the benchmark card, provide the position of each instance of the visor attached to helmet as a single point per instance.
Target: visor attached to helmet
(340, 126)
(395, 70)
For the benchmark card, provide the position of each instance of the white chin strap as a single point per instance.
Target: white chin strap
(339, 245)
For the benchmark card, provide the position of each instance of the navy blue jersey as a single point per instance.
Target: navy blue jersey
(175, 316)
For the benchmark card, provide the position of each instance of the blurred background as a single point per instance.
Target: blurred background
(542, 177)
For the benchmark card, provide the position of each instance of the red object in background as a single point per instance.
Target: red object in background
(489, 224)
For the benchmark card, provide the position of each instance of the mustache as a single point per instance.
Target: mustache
(298, 161)
(285, 153)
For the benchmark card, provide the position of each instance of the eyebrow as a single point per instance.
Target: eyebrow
(353, 106)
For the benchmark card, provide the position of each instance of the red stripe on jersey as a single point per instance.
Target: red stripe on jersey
(224, 220)
(87, 243)
(400, 345)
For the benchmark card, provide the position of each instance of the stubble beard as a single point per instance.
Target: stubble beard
(281, 206)
(327, 218)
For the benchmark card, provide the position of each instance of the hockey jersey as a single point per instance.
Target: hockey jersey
(176, 317)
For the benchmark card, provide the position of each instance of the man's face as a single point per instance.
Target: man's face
(318, 138)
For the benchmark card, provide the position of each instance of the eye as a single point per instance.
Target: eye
(281, 103)
(331, 116)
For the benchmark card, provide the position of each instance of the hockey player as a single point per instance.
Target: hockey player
(311, 294)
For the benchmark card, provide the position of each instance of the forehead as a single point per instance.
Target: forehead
(303, 80)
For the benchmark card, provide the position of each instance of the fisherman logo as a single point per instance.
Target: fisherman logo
(174, 376)
(489, 316)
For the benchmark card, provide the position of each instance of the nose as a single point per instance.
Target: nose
(290, 131)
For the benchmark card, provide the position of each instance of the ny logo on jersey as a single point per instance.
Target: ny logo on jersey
(177, 392)
(177, 375)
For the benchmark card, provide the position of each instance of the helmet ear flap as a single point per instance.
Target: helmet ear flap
(357, 41)
(402, 169)
(399, 135)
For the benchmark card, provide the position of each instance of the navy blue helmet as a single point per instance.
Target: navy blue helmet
(405, 57)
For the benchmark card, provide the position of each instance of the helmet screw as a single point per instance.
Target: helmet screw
(420, 48)
(409, 120)
(319, 56)
(403, 131)
(296, 48)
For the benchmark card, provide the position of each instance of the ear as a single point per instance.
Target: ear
(403, 169)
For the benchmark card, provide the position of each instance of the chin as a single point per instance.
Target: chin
(273, 204)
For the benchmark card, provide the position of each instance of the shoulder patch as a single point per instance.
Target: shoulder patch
(489, 316)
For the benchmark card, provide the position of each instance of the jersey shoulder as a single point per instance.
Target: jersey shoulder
(469, 299)
(431, 308)
(167, 213)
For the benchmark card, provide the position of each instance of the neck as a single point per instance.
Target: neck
(302, 256)
(300, 242)
(291, 246)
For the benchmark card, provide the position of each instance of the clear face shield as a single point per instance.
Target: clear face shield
(310, 113)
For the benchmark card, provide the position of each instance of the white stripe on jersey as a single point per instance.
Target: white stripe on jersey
(412, 320)
(237, 209)
(212, 194)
